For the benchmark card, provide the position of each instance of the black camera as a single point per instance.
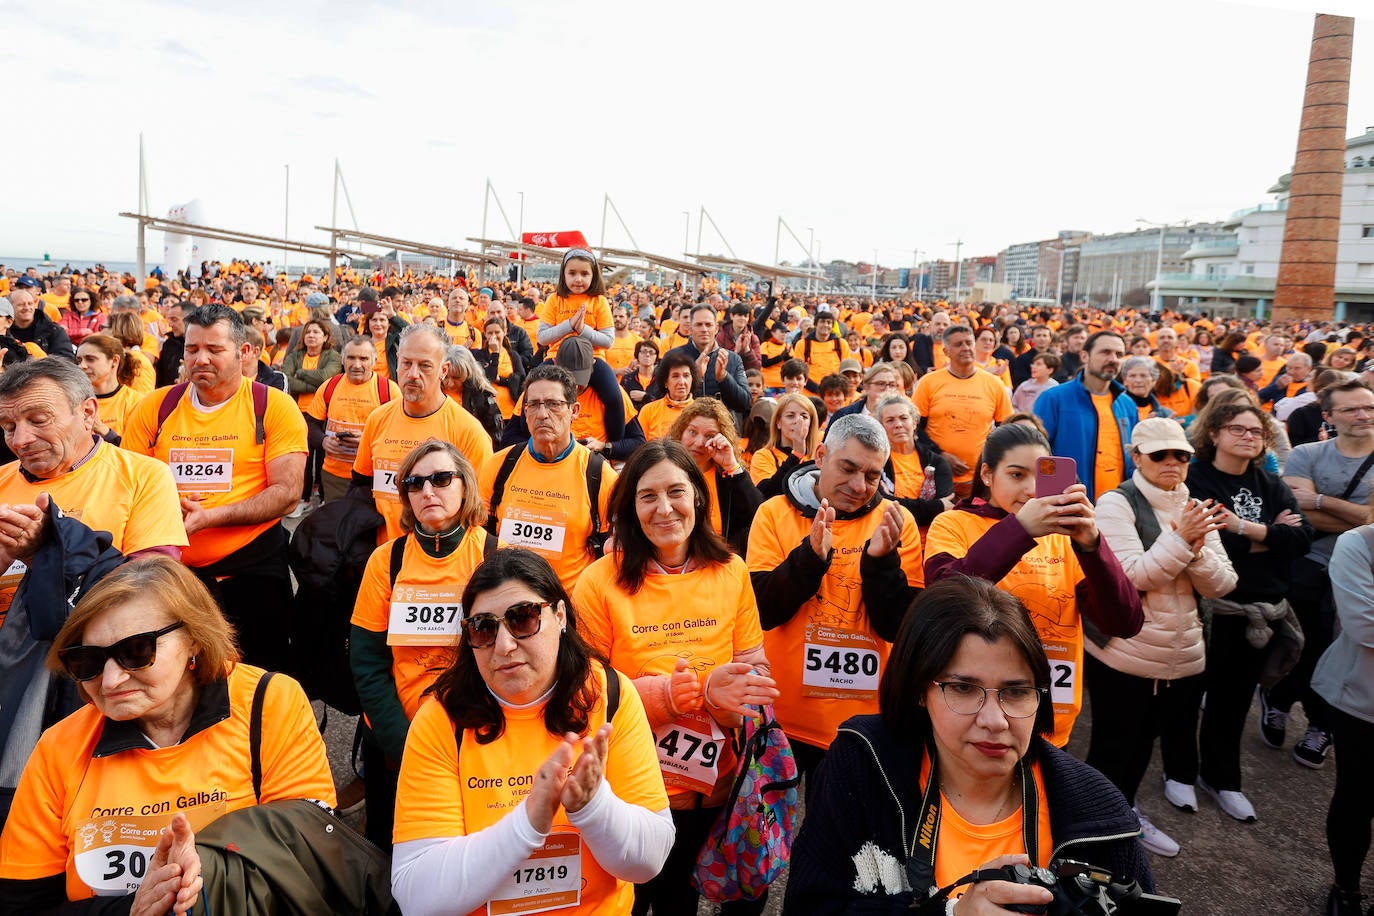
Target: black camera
(1080, 888)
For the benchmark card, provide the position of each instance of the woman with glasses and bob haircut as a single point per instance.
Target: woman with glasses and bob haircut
(529, 776)
(955, 774)
(109, 801)
(1263, 533)
(405, 623)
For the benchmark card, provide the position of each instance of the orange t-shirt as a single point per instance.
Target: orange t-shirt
(420, 650)
(97, 818)
(215, 457)
(445, 792)
(544, 507)
(115, 407)
(622, 350)
(963, 846)
(389, 434)
(129, 495)
(707, 616)
(1109, 468)
(832, 627)
(557, 310)
(348, 409)
(1044, 580)
(961, 412)
(657, 417)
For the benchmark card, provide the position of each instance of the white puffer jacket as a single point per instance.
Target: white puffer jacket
(1170, 644)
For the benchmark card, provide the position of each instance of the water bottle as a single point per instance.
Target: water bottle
(928, 485)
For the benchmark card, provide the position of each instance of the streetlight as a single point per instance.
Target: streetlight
(520, 232)
(810, 256)
(1159, 259)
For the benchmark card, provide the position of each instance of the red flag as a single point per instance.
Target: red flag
(571, 239)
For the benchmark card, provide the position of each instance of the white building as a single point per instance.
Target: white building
(1240, 273)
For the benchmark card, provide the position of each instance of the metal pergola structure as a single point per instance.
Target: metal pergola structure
(160, 224)
(768, 271)
(441, 252)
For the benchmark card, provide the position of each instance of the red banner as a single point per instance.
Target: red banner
(555, 239)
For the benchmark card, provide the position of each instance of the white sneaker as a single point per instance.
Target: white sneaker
(1180, 795)
(1154, 839)
(1233, 803)
(301, 508)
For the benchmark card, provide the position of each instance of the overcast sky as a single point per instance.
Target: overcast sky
(891, 126)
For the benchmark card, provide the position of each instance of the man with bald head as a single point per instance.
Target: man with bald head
(929, 349)
(32, 325)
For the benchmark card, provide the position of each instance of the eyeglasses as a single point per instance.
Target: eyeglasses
(416, 482)
(967, 699)
(1177, 454)
(522, 620)
(882, 384)
(552, 406)
(132, 653)
(1245, 432)
(1366, 409)
(81, 299)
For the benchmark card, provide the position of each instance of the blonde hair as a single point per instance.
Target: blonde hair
(813, 433)
(472, 512)
(711, 409)
(175, 590)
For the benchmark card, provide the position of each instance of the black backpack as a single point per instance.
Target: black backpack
(328, 555)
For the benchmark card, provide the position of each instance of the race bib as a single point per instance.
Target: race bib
(202, 470)
(112, 854)
(384, 480)
(347, 446)
(689, 752)
(423, 615)
(840, 664)
(1063, 681)
(550, 879)
(538, 529)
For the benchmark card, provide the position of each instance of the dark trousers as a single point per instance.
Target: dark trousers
(379, 780)
(1316, 609)
(314, 473)
(1233, 667)
(1352, 804)
(808, 758)
(670, 892)
(253, 588)
(1129, 712)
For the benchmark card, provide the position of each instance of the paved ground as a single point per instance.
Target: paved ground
(1277, 865)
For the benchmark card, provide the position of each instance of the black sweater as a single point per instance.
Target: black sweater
(1256, 496)
(867, 799)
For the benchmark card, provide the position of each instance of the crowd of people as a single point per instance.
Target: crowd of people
(601, 524)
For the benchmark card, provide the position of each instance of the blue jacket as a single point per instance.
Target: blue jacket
(1071, 421)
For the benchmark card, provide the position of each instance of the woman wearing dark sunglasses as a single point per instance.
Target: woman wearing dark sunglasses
(407, 616)
(163, 743)
(520, 785)
(672, 607)
(82, 316)
(1152, 683)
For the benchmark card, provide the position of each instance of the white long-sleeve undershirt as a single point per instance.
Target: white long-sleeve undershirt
(447, 875)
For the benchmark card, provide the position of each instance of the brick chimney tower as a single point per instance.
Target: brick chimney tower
(1307, 265)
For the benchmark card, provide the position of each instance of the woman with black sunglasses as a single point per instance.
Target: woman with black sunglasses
(82, 316)
(529, 777)
(406, 619)
(1152, 683)
(163, 743)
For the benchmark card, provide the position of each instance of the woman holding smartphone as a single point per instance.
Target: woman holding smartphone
(1045, 550)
